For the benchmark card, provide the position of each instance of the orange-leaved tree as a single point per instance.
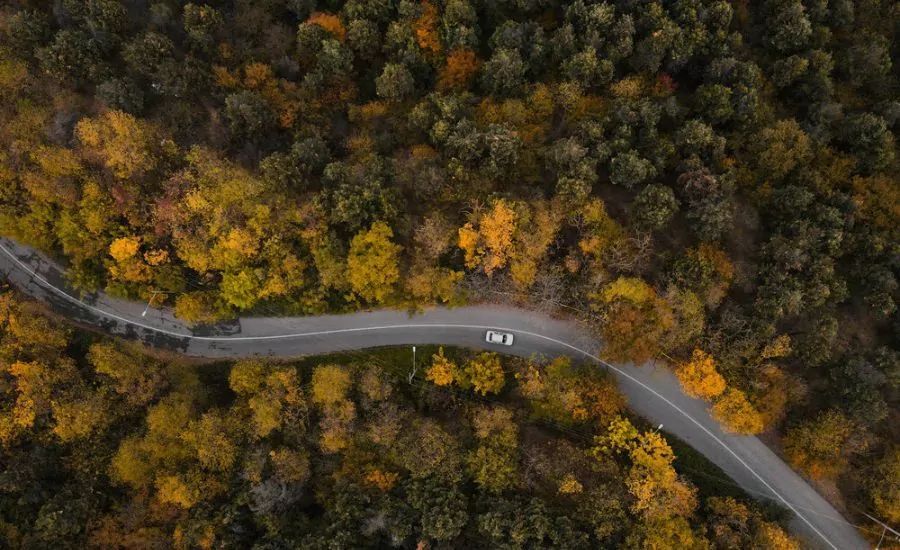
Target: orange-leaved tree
(699, 377)
(459, 71)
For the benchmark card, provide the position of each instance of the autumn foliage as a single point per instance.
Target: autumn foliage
(699, 377)
(489, 244)
(821, 448)
(677, 175)
(350, 432)
(459, 70)
(737, 414)
(329, 22)
(425, 28)
(442, 371)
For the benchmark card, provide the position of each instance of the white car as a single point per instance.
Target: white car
(503, 338)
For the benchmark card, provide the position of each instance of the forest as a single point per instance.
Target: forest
(709, 182)
(105, 446)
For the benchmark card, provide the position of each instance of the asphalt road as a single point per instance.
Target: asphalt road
(652, 391)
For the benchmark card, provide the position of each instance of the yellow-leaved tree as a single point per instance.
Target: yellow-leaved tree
(330, 384)
(658, 490)
(273, 395)
(78, 418)
(511, 234)
(487, 242)
(373, 263)
(737, 414)
(485, 373)
(493, 464)
(121, 142)
(442, 371)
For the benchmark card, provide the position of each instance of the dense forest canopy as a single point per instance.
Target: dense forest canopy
(104, 446)
(710, 181)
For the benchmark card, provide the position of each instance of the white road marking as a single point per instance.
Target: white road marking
(429, 325)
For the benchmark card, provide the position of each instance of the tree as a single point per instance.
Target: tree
(484, 373)
(696, 140)
(705, 270)
(733, 524)
(249, 115)
(124, 144)
(564, 393)
(503, 146)
(294, 169)
(427, 450)
(442, 509)
(148, 52)
(80, 417)
(783, 147)
(27, 31)
(710, 217)
(136, 377)
(372, 264)
(714, 102)
(636, 319)
(654, 207)
(788, 29)
(629, 169)
(518, 521)
(699, 377)
(652, 480)
(664, 533)
(121, 94)
(240, 289)
(820, 447)
(395, 82)
(490, 244)
(72, 56)
(867, 136)
(273, 396)
(199, 308)
(356, 195)
(364, 37)
(459, 71)
(330, 384)
(868, 60)
(442, 371)
(174, 489)
(202, 23)
(435, 284)
(503, 73)
(291, 466)
(493, 465)
(329, 22)
(576, 171)
(884, 486)
(212, 439)
(857, 387)
(736, 413)
(335, 426)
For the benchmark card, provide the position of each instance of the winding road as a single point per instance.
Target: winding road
(652, 391)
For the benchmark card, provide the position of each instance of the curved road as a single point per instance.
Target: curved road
(652, 391)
